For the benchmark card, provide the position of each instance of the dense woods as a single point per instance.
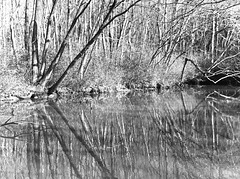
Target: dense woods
(83, 44)
(85, 47)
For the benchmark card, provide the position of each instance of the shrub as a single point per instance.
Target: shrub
(136, 72)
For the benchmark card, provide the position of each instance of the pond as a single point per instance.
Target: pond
(177, 135)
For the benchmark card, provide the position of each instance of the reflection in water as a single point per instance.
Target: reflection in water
(174, 135)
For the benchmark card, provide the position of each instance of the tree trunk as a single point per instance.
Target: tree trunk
(213, 37)
(35, 56)
(12, 37)
(26, 34)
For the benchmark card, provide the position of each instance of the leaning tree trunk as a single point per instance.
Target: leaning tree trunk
(41, 75)
(106, 22)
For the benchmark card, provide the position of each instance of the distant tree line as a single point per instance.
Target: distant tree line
(55, 40)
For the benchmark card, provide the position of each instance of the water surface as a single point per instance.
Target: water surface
(183, 135)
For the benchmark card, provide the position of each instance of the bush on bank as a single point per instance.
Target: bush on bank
(104, 74)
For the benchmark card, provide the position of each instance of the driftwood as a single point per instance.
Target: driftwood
(212, 77)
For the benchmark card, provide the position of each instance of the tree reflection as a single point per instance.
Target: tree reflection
(129, 138)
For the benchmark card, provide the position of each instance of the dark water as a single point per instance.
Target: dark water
(193, 134)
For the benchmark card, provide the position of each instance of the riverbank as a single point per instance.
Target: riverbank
(15, 87)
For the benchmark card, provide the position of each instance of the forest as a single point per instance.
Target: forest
(115, 45)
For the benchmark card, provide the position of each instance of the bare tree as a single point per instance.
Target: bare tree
(108, 13)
